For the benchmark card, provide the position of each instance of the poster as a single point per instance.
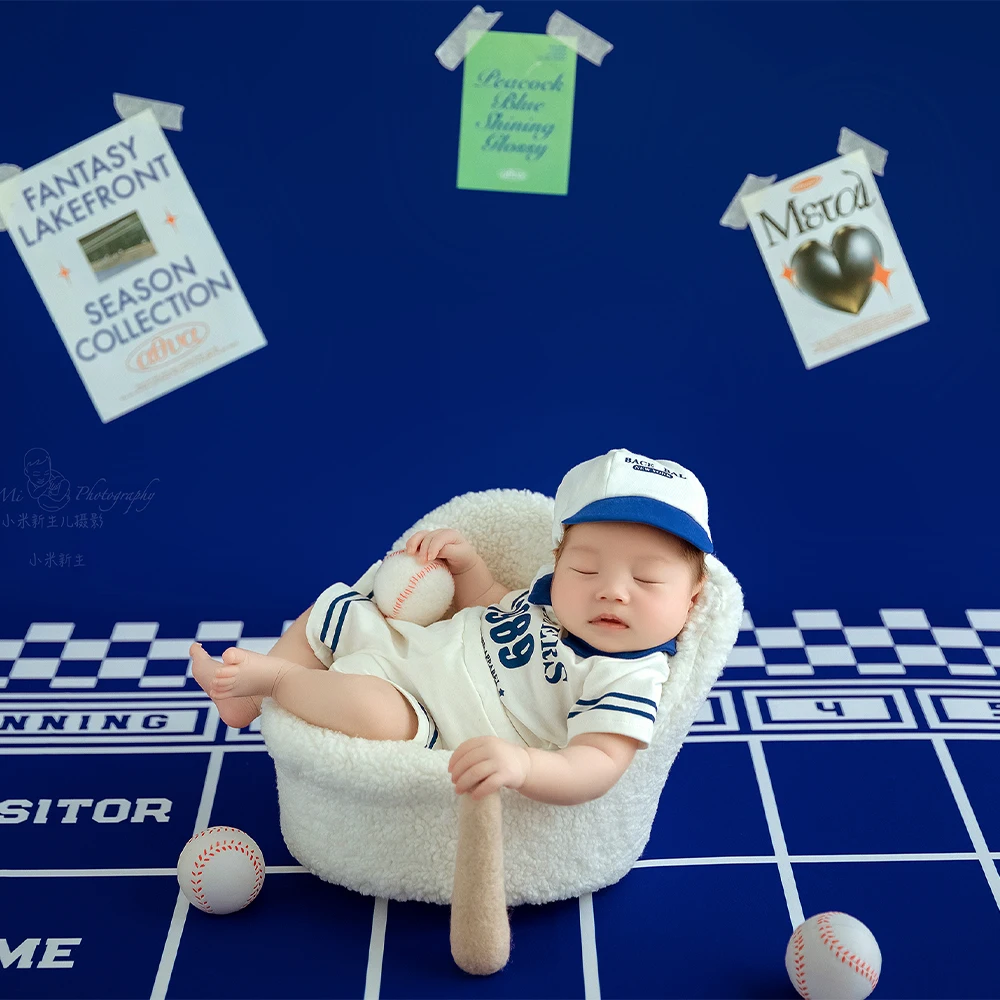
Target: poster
(128, 267)
(517, 113)
(834, 260)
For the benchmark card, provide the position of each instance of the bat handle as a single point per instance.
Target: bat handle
(480, 927)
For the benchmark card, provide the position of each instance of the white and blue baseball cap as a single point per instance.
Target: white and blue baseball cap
(623, 486)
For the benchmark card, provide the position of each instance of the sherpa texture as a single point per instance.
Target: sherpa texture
(381, 817)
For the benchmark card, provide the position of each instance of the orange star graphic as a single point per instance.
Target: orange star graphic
(63, 271)
(171, 218)
(788, 273)
(881, 275)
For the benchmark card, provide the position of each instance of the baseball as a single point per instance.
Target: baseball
(220, 870)
(833, 956)
(409, 590)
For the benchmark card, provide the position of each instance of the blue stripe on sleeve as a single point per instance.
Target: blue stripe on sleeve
(349, 596)
(617, 694)
(326, 623)
(340, 623)
(615, 708)
(434, 736)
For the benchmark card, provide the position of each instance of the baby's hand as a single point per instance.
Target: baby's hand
(445, 544)
(487, 763)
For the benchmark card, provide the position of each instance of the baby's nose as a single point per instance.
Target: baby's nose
(613, 589)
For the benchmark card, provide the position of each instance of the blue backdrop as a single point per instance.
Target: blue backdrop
(425, 341)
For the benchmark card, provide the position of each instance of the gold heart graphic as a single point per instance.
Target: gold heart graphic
(839, 275)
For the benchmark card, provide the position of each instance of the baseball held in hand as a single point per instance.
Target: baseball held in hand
(220, 870)
(833, 956)
(408, 589)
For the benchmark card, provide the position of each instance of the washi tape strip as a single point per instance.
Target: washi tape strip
(874, 154)
(7, 170)
(587, 44)
(849, 141)
(455, 47)
(167, 115)
(735, 217)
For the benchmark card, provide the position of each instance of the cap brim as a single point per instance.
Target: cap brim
(644, 510)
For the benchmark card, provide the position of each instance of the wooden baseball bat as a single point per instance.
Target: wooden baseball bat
(480, 927)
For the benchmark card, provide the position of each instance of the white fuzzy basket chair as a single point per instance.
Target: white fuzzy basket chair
(381, 817)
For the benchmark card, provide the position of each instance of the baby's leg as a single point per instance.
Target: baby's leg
(355, 704)
(292, 645)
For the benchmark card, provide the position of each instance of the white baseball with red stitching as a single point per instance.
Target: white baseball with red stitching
(409, 590)
(833, 956)
(220, 870)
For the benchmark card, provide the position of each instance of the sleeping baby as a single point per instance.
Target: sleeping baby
(549, 689)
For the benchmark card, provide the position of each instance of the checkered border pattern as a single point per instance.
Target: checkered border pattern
(817, 646)
(905, 644)
(48, 659)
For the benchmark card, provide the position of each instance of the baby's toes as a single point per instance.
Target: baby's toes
(224, 680)
(234, 656)
(202, 666)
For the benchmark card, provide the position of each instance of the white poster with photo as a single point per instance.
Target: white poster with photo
(834, 260)
(128, 267)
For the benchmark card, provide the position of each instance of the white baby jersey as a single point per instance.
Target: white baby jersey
(508, 670)
(555, 686)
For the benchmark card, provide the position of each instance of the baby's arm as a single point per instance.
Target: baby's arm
(585, 769)
(474, 583)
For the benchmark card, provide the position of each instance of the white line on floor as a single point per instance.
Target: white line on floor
(968, 817)
(376, 950)
(588, 940)
(118, 872)
(777, 833)
(181, 907)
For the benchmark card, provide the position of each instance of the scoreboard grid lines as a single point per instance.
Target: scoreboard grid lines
(968, 816)
(938, 707)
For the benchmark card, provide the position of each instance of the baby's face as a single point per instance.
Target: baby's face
(622, 587)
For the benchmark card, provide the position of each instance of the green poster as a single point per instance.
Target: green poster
(517, 113)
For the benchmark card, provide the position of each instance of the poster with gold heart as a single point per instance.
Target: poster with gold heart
(834, 259)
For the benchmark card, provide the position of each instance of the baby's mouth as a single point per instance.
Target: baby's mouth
(608, 621)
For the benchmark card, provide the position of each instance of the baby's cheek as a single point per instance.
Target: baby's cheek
(675, 609)
(565, 598)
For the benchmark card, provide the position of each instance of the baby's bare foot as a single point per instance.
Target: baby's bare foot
(238, 705)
